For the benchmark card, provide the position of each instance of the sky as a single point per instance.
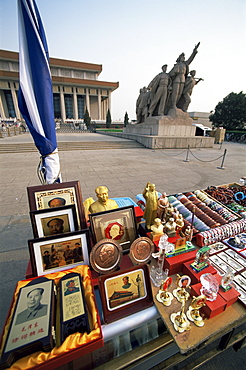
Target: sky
(132, 39)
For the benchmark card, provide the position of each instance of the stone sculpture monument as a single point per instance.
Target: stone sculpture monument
(161, 108)
(171, 90)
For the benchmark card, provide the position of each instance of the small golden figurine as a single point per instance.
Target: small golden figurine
(163, 296)
(170, 227)
(193, 313)
(103, 203)
(156, 229)
(180, 293)
(151, 197)
(179, 319)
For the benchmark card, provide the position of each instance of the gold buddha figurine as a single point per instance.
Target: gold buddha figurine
(103, 203)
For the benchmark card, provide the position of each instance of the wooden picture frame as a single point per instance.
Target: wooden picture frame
(117, 224)
(32, 321)
(53, 195)
(125, 292)
(54, 221)
(57, 253)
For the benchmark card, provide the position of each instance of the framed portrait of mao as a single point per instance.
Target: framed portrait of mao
(116, 224)
(31, 323)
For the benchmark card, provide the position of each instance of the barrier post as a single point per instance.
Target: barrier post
(187, 155)
(154, 145)
(223, 159)
(200, 145)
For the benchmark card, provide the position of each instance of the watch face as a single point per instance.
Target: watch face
(106, 256)
(141, 250)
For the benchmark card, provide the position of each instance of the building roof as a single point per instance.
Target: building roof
(61, 63)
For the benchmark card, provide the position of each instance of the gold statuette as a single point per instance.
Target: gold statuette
(193, 313)
(163, 296)
(180, 293)
(179, 320)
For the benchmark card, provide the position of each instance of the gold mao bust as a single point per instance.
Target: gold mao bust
(103, 203)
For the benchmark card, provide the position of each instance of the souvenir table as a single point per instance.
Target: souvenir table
(167, 345)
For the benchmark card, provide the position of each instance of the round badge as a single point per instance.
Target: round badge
(114, 231)
(141, 250)
(106, 256)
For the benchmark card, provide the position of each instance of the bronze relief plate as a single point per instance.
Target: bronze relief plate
(106, 256)
(141, 250)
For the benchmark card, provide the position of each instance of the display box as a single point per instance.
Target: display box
(195, 276)
(230, 296)
(211, 309)
(236, 256)
(174, 264)
(127, 201)
(74, 346)
(217, 248)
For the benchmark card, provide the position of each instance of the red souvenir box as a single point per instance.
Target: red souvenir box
(230, 296)
(195, 276)
(70, 350)
(212, 308)
(174, 264)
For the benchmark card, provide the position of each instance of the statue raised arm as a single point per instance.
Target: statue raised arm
(178, 74)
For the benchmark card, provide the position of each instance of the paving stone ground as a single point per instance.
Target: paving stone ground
(124, 172)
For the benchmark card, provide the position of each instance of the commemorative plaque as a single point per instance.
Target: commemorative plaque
(141, 250)
(106, 256)
(31, 325)
(72, 313)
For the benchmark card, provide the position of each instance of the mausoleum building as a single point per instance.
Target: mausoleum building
(75, 88)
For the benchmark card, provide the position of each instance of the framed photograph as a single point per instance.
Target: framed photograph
(57, 253)
(57, 195)
(31, 324)
(125, 292)
(50, 222)
(118, 224)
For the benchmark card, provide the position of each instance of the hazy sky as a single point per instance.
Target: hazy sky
(132, 39)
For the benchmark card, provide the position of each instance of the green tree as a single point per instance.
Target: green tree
(126, 119)
(87, 118)
(108, 119)
(231, 112)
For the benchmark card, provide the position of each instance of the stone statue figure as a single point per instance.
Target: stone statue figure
(190, 82)
(178, 74)
(159, 87)
(142, 104)
(151, 197)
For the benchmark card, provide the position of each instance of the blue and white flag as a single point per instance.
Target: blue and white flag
(35, 96)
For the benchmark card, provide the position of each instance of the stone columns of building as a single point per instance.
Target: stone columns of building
(99, 105)
(109, 101)
(75, 104)
(87, 101)
(2, 113)
(62, 102)
(15, 101)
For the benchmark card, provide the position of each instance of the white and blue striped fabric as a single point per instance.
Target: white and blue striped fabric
(35, 96)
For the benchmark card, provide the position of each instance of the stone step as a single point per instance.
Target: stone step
(69, 146)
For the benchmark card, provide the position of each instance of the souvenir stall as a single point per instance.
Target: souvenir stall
(158, 277)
